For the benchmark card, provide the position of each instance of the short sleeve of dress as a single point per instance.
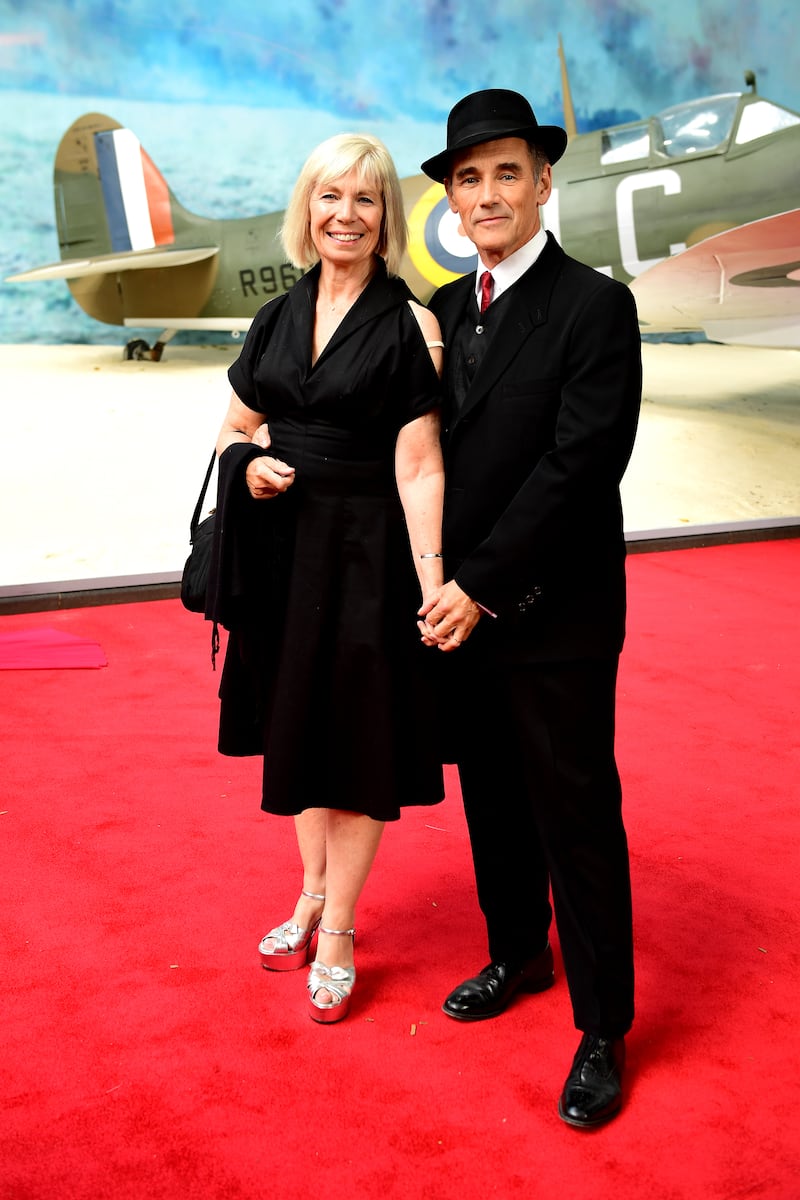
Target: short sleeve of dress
(241, 372)
(421, 388)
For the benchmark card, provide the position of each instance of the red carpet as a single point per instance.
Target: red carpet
(146, 1055)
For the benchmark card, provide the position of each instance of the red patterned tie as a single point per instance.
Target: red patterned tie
(487, 287)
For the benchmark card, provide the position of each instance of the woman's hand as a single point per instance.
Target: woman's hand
(267, 477)
(262, 438)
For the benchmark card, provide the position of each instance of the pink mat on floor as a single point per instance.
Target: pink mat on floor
(36, 649)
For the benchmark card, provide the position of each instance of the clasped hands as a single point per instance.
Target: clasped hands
(265, 476)
(447, 617)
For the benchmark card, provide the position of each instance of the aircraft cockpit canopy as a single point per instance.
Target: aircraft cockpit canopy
(696, 127)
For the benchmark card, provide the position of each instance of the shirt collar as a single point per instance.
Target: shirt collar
(512, 268)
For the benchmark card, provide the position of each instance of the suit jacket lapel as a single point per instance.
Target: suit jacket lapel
(528, 303)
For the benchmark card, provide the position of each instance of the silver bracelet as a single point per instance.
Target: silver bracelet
(431, 556)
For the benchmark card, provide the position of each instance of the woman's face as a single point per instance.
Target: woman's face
(345, 220)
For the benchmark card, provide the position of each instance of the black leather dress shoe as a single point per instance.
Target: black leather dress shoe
(593, 1091)
(489, 994)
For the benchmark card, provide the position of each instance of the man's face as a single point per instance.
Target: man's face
(493, 189)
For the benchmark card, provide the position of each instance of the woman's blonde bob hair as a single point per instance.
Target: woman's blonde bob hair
(331, 160)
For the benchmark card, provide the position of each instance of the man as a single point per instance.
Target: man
(544, 387)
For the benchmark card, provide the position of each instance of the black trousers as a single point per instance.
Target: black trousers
(544, 808)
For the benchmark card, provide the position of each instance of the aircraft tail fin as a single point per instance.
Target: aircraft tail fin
(129, 250)
(110, 197)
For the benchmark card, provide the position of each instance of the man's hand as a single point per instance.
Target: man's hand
(448, 617)
(267, 477)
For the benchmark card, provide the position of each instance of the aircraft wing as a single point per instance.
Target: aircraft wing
(105, 264)
(741, 286)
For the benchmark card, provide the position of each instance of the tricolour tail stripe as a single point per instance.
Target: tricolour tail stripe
(135, 194)
(158, 202)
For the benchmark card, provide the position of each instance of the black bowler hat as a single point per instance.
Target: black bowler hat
(488, 115)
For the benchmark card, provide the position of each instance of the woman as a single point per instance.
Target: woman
(324, 672)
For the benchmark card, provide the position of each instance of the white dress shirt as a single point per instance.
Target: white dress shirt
(510, 269)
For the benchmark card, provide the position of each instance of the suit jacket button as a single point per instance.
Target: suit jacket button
(529, 600)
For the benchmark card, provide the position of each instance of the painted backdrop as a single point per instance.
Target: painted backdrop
(229, 99)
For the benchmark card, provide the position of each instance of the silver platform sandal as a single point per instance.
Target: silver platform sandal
(338, 981)
(291, 944)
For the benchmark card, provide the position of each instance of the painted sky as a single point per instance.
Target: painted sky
(368, 60)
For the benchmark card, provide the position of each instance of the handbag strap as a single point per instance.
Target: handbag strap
(195, 521)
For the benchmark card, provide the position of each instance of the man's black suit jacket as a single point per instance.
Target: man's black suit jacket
(533, 521)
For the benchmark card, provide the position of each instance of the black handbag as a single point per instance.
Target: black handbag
(194, 580)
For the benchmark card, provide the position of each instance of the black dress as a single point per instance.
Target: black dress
(324, 671)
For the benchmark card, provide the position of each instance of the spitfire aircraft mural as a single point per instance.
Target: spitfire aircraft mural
(695, 208)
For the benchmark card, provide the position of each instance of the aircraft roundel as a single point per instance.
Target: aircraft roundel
(437, 245)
